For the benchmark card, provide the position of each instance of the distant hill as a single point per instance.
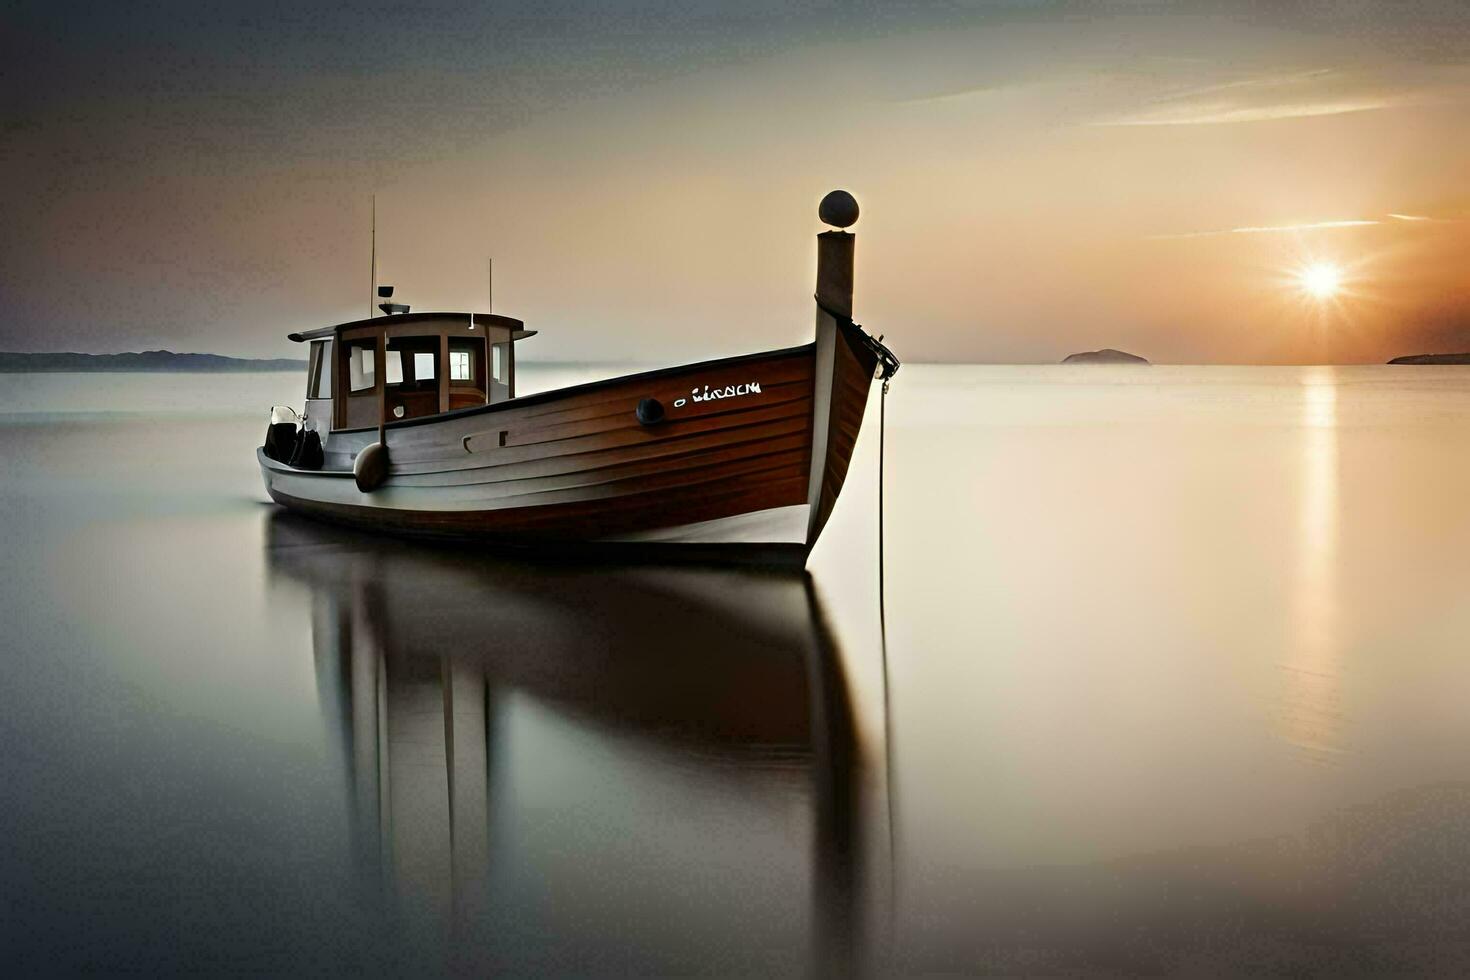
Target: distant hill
(1105, 356)
(1432, 359)
(148, 360)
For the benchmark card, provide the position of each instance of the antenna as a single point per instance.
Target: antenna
(373, 272)
(489, 285)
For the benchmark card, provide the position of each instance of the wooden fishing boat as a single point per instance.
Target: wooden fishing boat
(412, 425)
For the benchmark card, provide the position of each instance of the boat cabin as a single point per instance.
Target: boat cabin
(387, 369)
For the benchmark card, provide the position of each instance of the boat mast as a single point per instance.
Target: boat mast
(373, 270)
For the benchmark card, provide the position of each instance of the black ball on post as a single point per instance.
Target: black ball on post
(838, 209)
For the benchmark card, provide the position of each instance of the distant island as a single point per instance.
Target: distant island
(148, 360)
(1105, 356)
(1432, 359)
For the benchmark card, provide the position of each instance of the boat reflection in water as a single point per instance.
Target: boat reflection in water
(554, 767)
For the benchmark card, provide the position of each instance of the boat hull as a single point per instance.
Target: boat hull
(749, 449)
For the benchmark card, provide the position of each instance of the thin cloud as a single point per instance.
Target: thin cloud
(1273, 229)
(1245, 83)
(1308, 226)
(1289, 95)
(958, 94)
(1425, 218)
(1218, 113)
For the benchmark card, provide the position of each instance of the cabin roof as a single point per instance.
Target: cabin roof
(517, 327)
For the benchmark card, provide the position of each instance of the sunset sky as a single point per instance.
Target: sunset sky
(1035, 178)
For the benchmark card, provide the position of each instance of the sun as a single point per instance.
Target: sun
(1320, 280)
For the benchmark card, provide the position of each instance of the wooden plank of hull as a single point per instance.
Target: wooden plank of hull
(562, 530)
(611, 464)
(667, 502)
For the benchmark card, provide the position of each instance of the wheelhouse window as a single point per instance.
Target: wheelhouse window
(412, 376)
(466, 372)
(500, 371)
(321, 373)
(467, 361)
(413, 363)
(460, 366)
(362, 359)
(499, 361)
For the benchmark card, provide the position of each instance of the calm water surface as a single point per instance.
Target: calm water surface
(1177, 667)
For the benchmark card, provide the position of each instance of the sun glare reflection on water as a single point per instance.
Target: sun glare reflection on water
(1311, 715)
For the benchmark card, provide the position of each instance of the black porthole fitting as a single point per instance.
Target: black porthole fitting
(650, 411)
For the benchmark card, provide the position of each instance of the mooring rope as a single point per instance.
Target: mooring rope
(882, 605)
(887, 701)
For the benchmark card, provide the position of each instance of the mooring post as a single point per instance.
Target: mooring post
(834, 299)
(834, 272)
